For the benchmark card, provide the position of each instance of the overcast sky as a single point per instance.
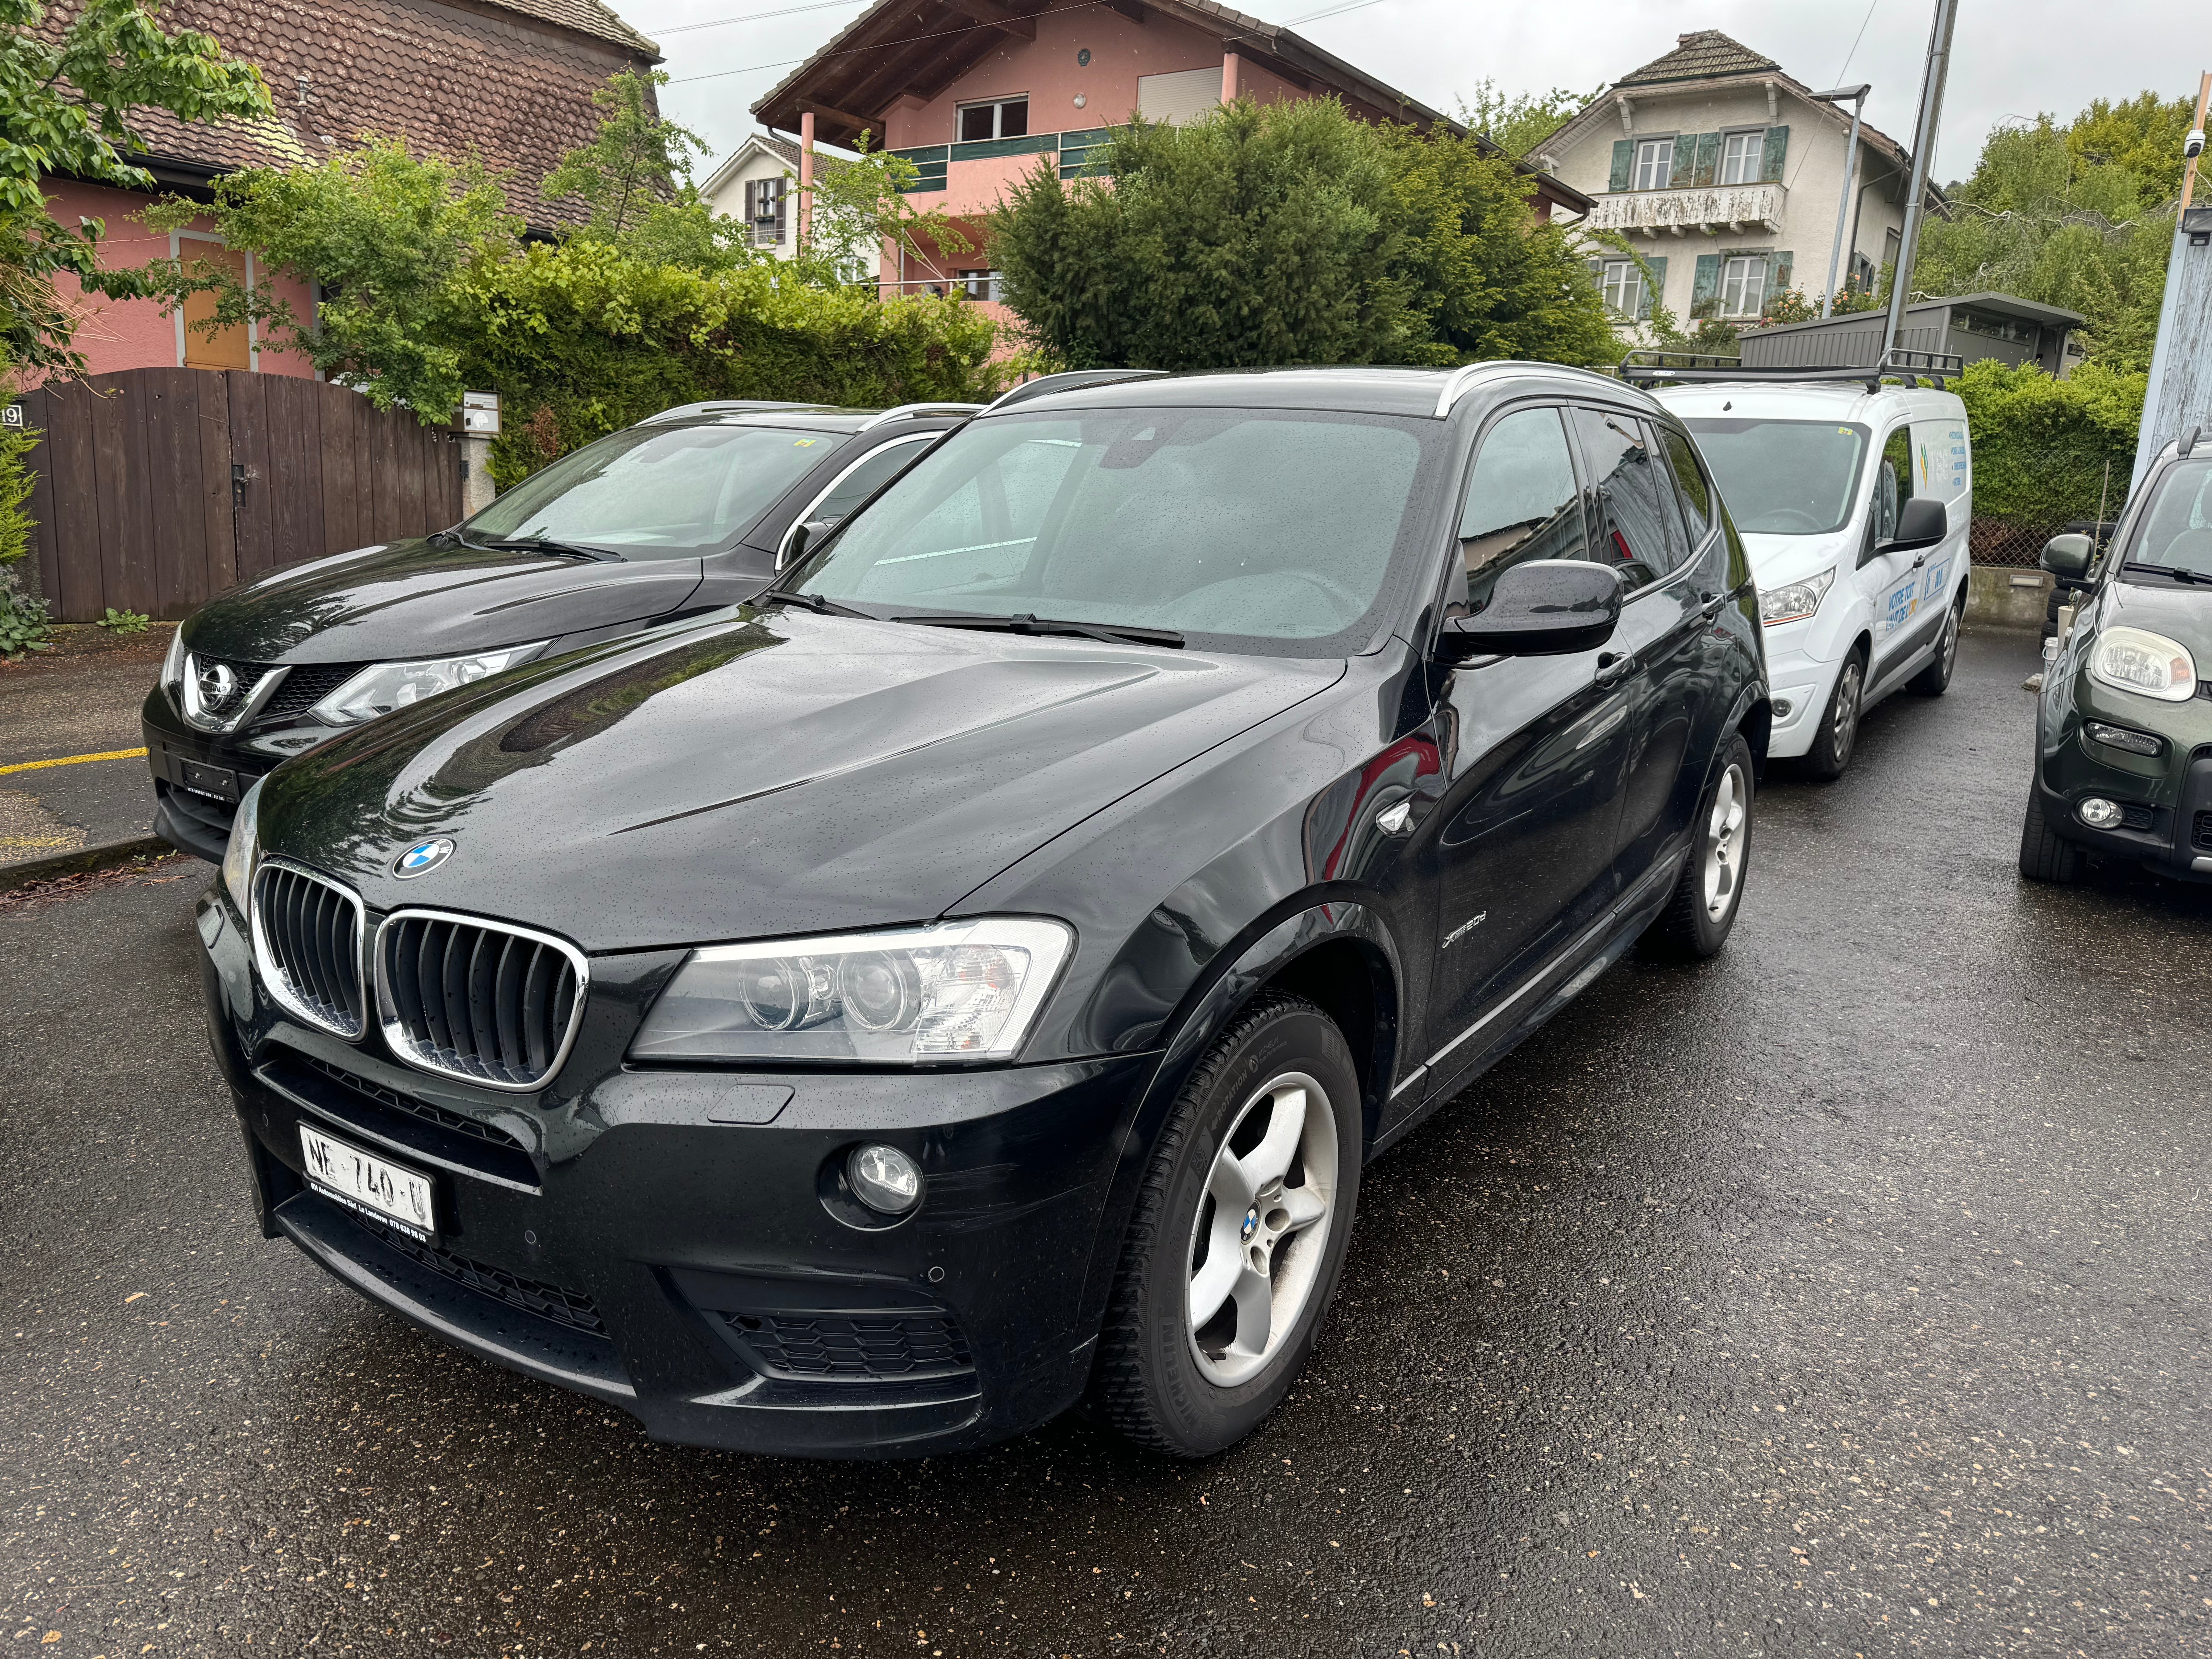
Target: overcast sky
(2012, 58)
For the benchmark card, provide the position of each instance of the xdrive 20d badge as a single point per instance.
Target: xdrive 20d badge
(975, 973)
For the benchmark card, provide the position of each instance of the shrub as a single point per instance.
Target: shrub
(2043, 445)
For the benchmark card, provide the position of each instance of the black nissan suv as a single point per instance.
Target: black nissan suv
(690, 510)
(975, 971)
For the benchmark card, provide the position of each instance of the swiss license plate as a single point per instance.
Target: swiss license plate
(364, 1181)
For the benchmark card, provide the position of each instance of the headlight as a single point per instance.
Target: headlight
(240, 857)
(382, 687)
(173, 665)
(961, 990)
(1795, 601)
(2149, 665)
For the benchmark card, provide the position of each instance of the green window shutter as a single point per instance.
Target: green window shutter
(1652, 285)
(1597, 271)
(1778, 146)
(1707, 167)
(1779, 266)
(1705, 286)
(1624, 160)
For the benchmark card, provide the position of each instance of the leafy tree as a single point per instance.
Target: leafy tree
(861, 205)
(64, 108)
(1518, 122)
(634, 181)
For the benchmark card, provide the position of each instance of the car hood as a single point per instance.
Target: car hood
(1777, 560)
(777, 773)
(417, 598)
(2182, 613)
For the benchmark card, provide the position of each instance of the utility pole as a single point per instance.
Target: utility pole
(2180, 381)
(1858, 94)
(1923, 150)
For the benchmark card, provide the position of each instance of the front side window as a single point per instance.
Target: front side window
(1623, 285)
(1641, 528)
(1521, 501)
(1743, 285)
(656, 492)
(1785, 477)
(1893, 483)
(1003, 117)
(2177, 532)
(1246, 525)
(1743, 157)
(1655, 163)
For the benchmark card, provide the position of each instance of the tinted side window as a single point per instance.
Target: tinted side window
(1697, 496)
(1628, 483)
(1520, 501)
(1671, 507)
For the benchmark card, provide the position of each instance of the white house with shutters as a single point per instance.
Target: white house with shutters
(1724, 173)
(758, 185)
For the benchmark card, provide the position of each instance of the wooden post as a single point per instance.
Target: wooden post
(805, 176)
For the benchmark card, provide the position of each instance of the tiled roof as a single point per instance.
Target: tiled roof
(510, 79)
(1698, 55)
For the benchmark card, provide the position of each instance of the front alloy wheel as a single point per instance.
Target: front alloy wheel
(1239, 1233)
(1723, 847)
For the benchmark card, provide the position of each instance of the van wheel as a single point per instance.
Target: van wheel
(1935, 680)
(2044, 855)
(1698, 919)
(1239, 1236)
(1839, 722)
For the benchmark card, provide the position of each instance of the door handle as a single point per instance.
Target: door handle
(1919, 561)
(1612, 669)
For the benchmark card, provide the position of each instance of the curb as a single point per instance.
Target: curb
(75, 863)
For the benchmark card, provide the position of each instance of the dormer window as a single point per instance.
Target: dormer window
(1003, 117)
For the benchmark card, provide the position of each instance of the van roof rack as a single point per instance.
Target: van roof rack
(1644, 368)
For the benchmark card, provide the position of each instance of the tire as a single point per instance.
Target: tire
(1840, 721)
(1283, 1064)
(1935, 680)
(2045, 855)
(1701, 910)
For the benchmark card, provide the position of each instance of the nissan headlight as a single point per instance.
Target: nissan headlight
(955, 991)
(173, 665)
(244, 852)
(382, 687)
(2149, 665)
(1795, 601)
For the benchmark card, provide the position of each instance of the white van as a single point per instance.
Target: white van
(1862, 588)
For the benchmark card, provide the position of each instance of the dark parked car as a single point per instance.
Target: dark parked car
(2123, 731)
(977, 971)
(676, 515)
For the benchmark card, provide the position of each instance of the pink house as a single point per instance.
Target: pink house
(977, 94)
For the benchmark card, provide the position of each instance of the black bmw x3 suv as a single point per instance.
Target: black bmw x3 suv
(679, 514)
(975, 972)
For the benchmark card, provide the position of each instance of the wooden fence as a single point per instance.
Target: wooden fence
(159, 488)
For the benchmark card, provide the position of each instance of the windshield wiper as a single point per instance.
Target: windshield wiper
(1111, 633)
(546, 544)
(2174, 571)
(816, 603)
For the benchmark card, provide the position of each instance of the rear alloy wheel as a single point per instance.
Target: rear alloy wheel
(1839, 722)
(1239, 1235)
(1935, 680)
(1698, 918)
(2044, 854)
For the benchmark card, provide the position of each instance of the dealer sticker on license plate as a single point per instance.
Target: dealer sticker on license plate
(389, 1191)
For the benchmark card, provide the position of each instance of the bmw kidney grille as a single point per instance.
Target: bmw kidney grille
(307, 934)
(496, 1005)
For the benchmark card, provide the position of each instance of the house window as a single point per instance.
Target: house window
(1007, 117)
(1743, 285)
(1743, 157)
(1860, 281)
(764, 199)
(1654, 164)
(1622, 285)
(980, 284)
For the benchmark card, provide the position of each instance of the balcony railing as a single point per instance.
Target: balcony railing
(1079, 152)
(1700, 208)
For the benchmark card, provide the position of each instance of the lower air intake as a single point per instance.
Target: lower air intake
(903, 1343)
(480, 1000)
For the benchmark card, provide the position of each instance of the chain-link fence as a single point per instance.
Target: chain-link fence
(2021, 546)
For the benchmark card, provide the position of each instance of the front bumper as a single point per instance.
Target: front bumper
(2167, 798)
(620, 1242)
(1803, 683)
(199, 777)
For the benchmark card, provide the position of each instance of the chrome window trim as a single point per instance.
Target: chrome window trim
(272, 979)
(402, 1046)
(806, 514)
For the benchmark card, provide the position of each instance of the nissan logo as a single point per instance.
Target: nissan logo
(218, 684)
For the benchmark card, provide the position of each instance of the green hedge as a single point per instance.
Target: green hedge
(2042, 445)
(579, 342)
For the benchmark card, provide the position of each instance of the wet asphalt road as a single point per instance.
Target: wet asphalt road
(1846, 1294)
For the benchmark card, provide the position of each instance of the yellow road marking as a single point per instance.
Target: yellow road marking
(75, 759)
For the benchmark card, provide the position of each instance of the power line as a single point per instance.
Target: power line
(751, 17)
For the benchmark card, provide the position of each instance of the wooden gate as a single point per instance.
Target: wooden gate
(158, 488)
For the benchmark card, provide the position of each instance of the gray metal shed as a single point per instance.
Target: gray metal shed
(1974, 325)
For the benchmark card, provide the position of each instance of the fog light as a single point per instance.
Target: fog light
(2098, 812)
(884, 1179)
(2118, 736)
(1783, 709)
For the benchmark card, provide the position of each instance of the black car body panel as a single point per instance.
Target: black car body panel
(1208, 823)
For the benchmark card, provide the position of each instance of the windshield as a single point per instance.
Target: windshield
(2177, 532)
(656, 492)
(1785, 477)
(1274, 529)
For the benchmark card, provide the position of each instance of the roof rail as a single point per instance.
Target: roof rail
(1644, 368)
(737, 406)
(1461, 377)
(906, 412)
(1069, 381)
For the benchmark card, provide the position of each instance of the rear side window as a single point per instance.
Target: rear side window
(1697, 496)
(1638, 513)
(1522, 502)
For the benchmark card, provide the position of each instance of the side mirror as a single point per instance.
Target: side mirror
(1922, 522)
(1545, 608)
(802, 537)
(2067, 556)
